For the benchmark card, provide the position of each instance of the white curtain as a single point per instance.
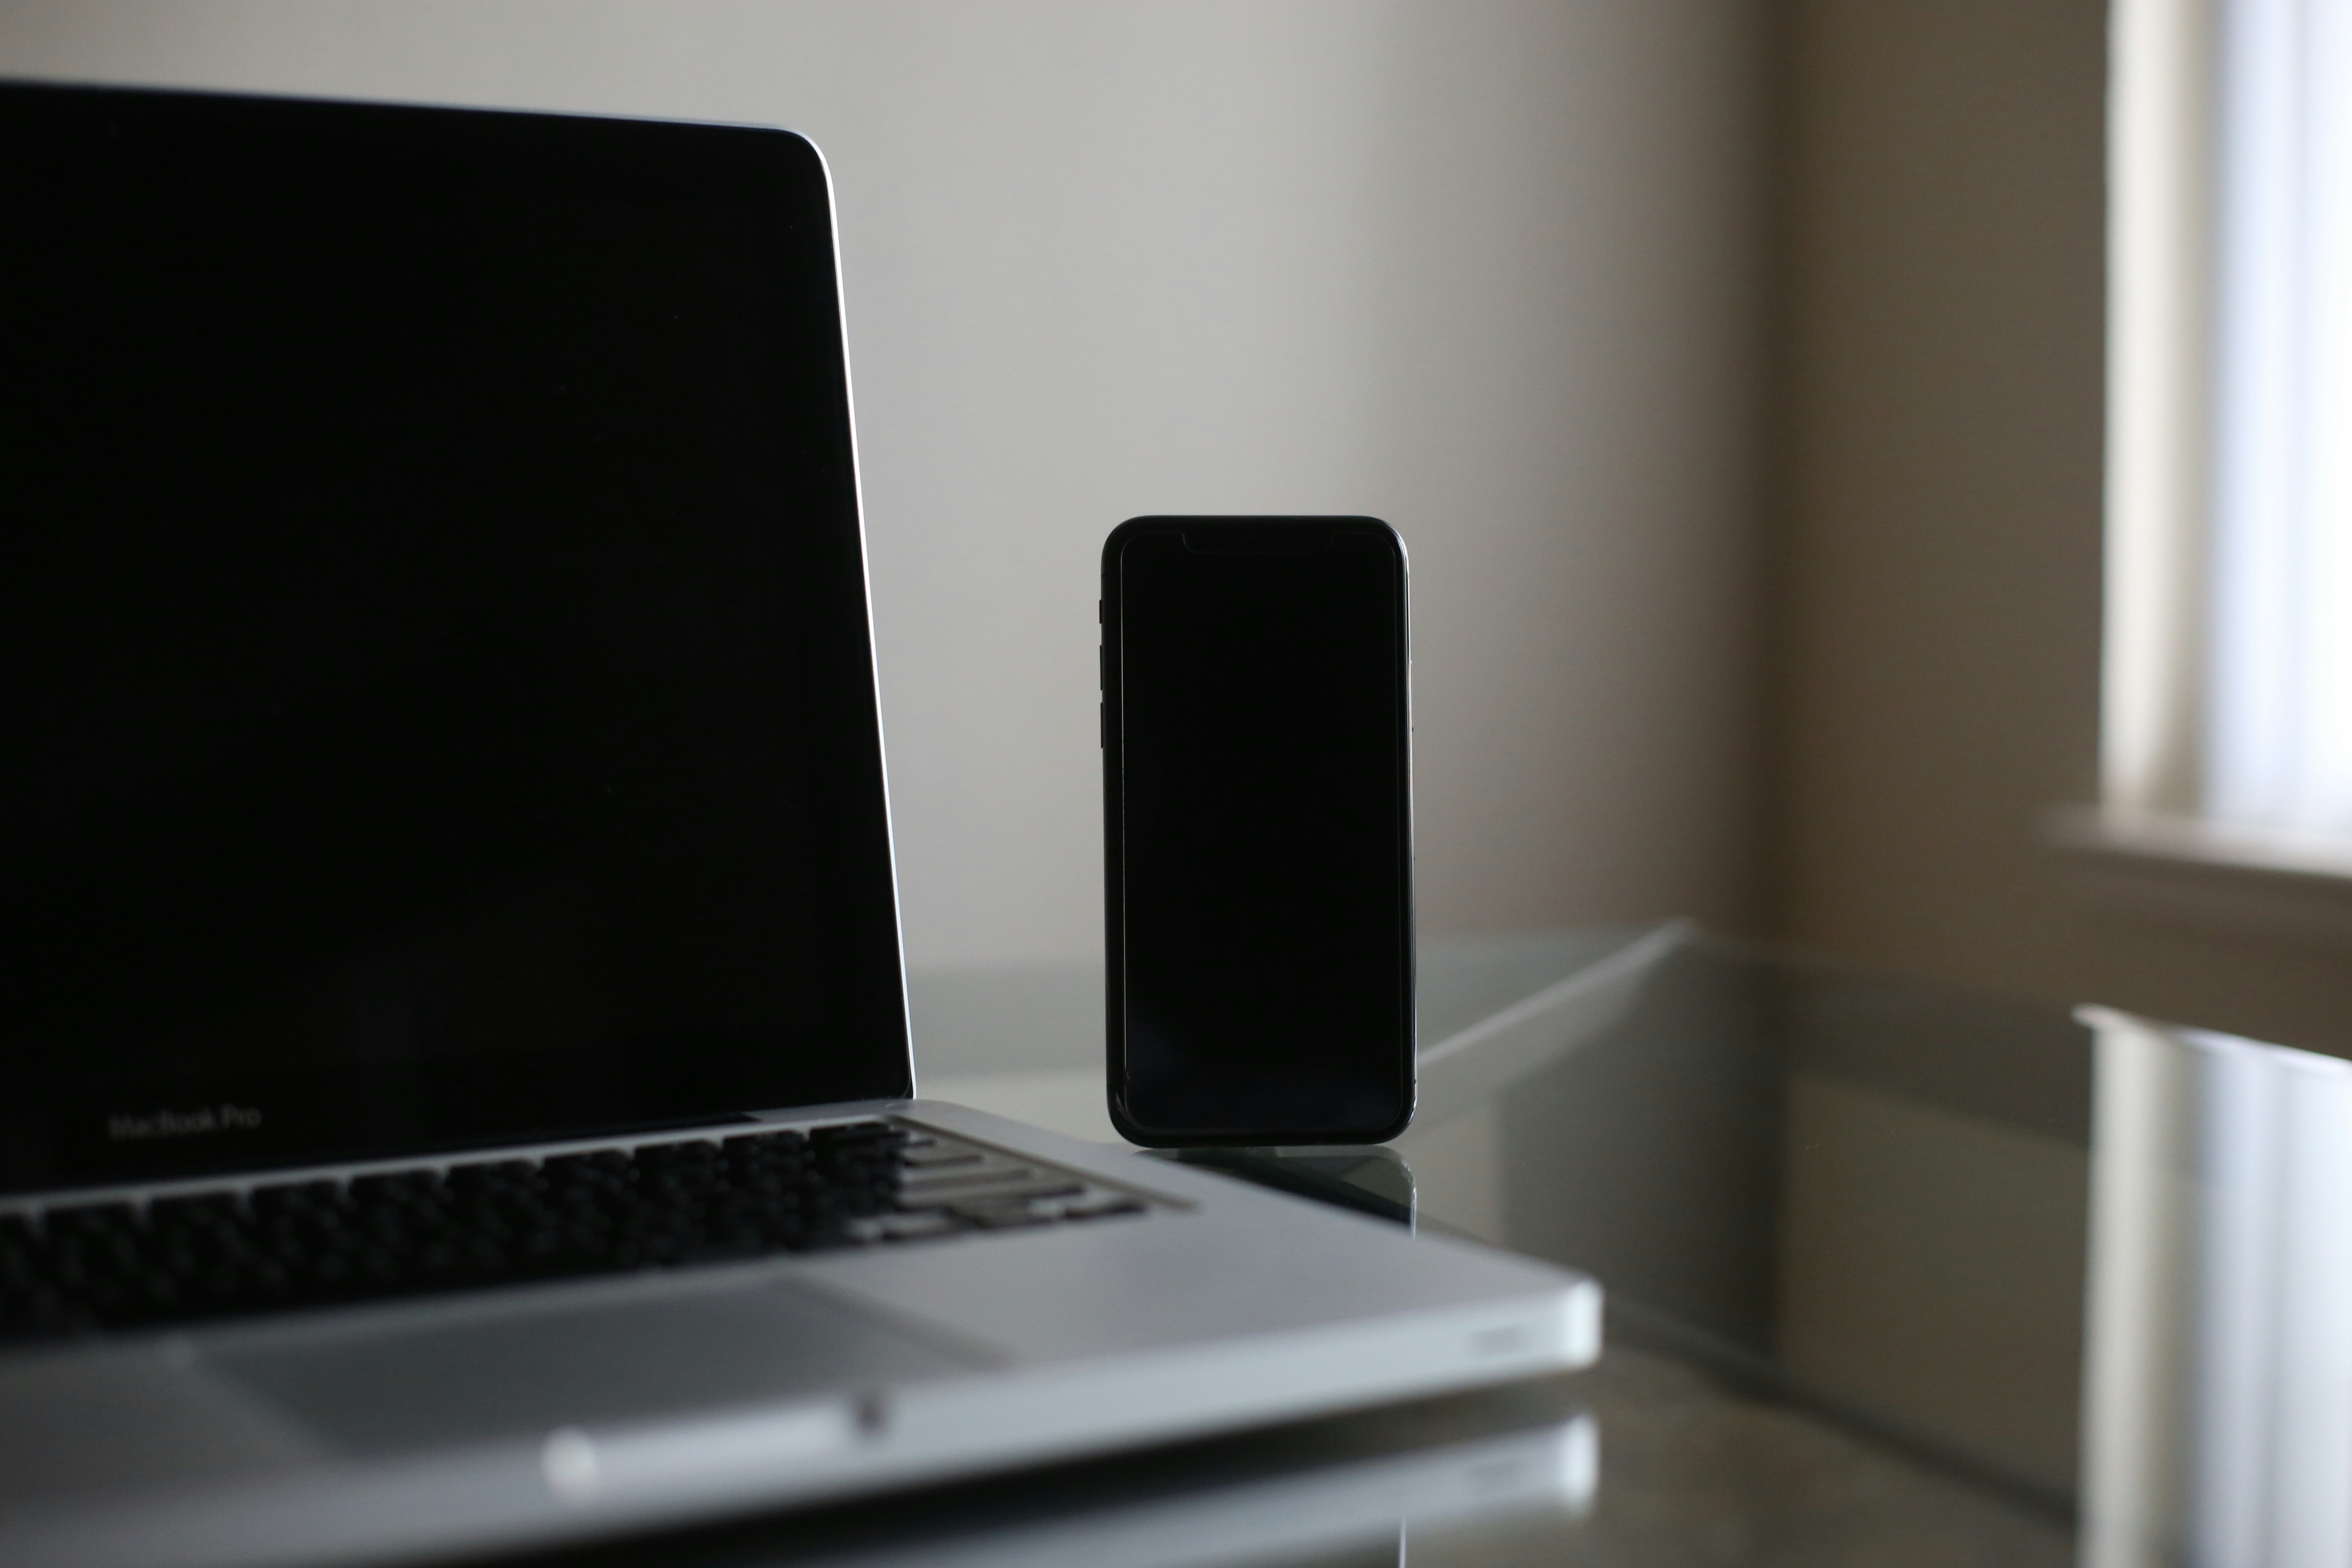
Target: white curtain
(2277, 748)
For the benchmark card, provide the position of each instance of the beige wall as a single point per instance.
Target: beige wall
(1486, 269)
(1941, 528)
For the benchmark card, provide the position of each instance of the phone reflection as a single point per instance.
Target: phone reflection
(2218, 1390)
(1371, 1178)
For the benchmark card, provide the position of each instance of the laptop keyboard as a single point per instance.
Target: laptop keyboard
(284, 1246)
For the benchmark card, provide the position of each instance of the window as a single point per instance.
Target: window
(2227, 723)
(2278, 704)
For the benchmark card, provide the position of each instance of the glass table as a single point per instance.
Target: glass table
(1856, 1232)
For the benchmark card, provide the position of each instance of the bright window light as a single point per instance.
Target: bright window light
(2277, 706)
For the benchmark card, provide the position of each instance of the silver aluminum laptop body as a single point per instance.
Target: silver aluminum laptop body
(1083, 1300)
(501, 1418)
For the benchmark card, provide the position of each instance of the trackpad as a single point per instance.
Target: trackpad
(521, 1372)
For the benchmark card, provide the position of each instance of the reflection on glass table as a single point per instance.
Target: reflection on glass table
(1840, 1219)
(2218, 1391)
(1027, 1040)
(1845, 1224)
(1373, 1181)
(1504, 1478)
(1524, 1488)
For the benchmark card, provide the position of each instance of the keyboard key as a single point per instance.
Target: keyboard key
(210, 1209)
(296, 1197)
(766, 1145)
(962, 1179)
(400, 1188)
(90, 1220)
(934, 1158)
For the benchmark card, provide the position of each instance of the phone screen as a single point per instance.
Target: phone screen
(1257, 728)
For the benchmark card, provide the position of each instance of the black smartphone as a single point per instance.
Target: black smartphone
(1257, 805)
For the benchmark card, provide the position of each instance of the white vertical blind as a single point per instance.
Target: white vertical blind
(2278, 700)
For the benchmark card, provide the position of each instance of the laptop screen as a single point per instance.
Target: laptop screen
(433, 655)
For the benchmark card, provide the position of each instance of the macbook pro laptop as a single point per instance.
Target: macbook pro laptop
(457, 1091)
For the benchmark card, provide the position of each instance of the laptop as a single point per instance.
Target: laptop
(460, 1093)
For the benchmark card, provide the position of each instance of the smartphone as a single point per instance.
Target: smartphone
(1257, 804)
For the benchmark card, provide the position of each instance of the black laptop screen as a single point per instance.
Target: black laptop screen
(434, 661)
